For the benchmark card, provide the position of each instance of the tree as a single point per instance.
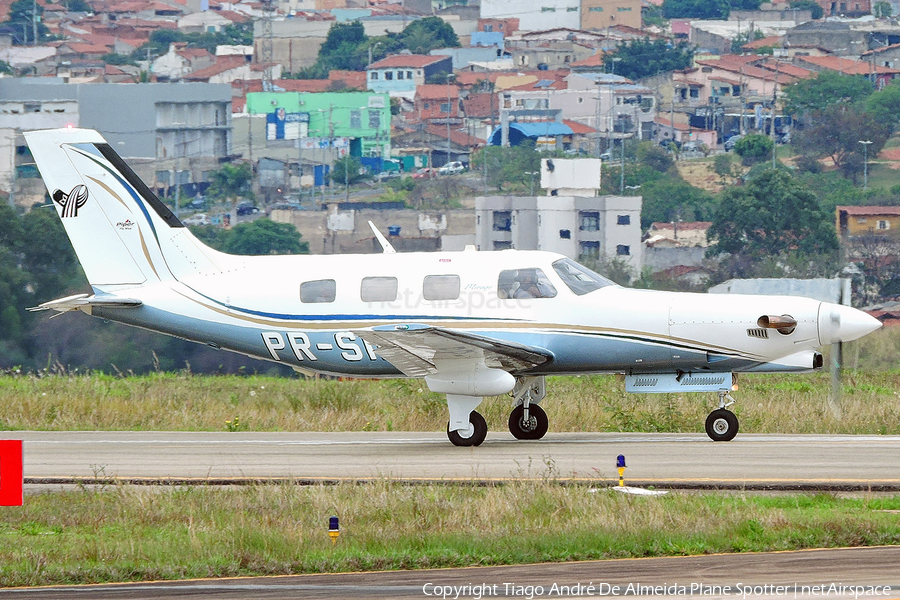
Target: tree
(507, 167)
(884, 104)
(770, 216)
(836, 134)
(811, 5)
(825, 89)
(424, 35)
(347, 170)
(882, 9)
(696, 9)
(264, 236)
(643, 58)
(671, 199)
(753, 148)
(231, 182)
(25, 19)
(723, 165)
(653, 156)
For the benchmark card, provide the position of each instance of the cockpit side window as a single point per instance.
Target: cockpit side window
(320, 290)
(524, 283)
(578, 278)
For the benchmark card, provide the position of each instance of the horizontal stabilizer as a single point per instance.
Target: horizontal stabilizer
(412, 348)
(85, 303)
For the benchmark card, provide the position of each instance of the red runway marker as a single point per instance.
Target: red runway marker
(11, 472)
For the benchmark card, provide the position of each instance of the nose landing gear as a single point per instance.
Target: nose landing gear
(722, 424)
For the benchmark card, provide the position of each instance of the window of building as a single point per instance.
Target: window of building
(400, 74)
(321, 290)
(579, 278)
(524, 283)
(695, 92)
(488, 28)
(374, 119)
(862, 220)
(589, 251)
(580, 100)
(409, 75)
(378, 289)
(623, 220)
(426, 105)
(441, 287)
(596, 9)
(572, 9)
(388, 75)
(884, 225)
(501, 245)
(548, 9)
(502, 220)
(565, 234)
(589, 221)
(355, 119)
(624, 9)
(445, 107)
(735, 90)
(623, 250)
(373, 75)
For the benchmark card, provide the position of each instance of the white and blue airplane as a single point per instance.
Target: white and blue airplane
(472, 324)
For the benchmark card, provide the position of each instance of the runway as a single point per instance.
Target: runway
(786, 462)
(808, 575)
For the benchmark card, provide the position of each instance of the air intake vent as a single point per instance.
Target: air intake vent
(760, 333)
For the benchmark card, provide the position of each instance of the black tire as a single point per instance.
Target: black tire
(536, 426)
(477, 436)
(721, 425)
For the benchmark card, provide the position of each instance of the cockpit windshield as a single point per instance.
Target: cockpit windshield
(579, 279)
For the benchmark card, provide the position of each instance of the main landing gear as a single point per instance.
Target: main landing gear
(527, 421)
(722, 424)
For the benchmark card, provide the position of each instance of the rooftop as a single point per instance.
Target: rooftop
(407, 60)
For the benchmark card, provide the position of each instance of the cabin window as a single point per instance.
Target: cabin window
(578, 278)
(441, 287)
(524, 283)
(321, 290)
(378, 289)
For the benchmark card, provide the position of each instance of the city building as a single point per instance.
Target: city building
(401, 74)
(161, 128)
(570, 219)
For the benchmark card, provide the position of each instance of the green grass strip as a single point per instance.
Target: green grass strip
(125, 533)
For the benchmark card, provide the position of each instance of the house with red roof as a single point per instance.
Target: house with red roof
(180, 61)
(876, 73)
(437, 102)
(400, 74)
(231, 68)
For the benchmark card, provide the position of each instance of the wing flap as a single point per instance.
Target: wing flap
(412, 348)
(85, 303)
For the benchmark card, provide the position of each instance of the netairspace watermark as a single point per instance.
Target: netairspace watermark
(477, 591)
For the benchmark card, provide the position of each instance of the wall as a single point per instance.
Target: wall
(536, 16)
(328, 232)
(600, 14)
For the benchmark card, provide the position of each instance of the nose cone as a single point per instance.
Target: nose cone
(839, 323)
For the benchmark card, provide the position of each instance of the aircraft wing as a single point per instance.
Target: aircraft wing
(85, 303)
(412, 348)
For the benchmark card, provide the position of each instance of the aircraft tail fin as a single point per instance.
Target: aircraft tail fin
(123, 234)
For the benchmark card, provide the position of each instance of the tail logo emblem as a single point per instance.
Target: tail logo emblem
(72, 201)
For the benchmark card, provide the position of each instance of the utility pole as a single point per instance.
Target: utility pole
(774, 103)
(34, 22)
(266, 45)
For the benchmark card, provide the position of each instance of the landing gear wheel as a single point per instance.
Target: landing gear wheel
(721, 425)
(473, 436)
(532, 429)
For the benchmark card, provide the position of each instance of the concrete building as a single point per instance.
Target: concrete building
(534, 16)
(600, 14)
(571, 219)
(400, 74)
(344, 230)
(159, 127)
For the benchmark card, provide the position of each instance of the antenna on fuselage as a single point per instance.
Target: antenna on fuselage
(385, 244)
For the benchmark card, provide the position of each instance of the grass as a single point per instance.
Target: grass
(789, 403)
(125, 533)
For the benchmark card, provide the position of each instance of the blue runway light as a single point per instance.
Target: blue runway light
(620, 461)
(333, 524)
